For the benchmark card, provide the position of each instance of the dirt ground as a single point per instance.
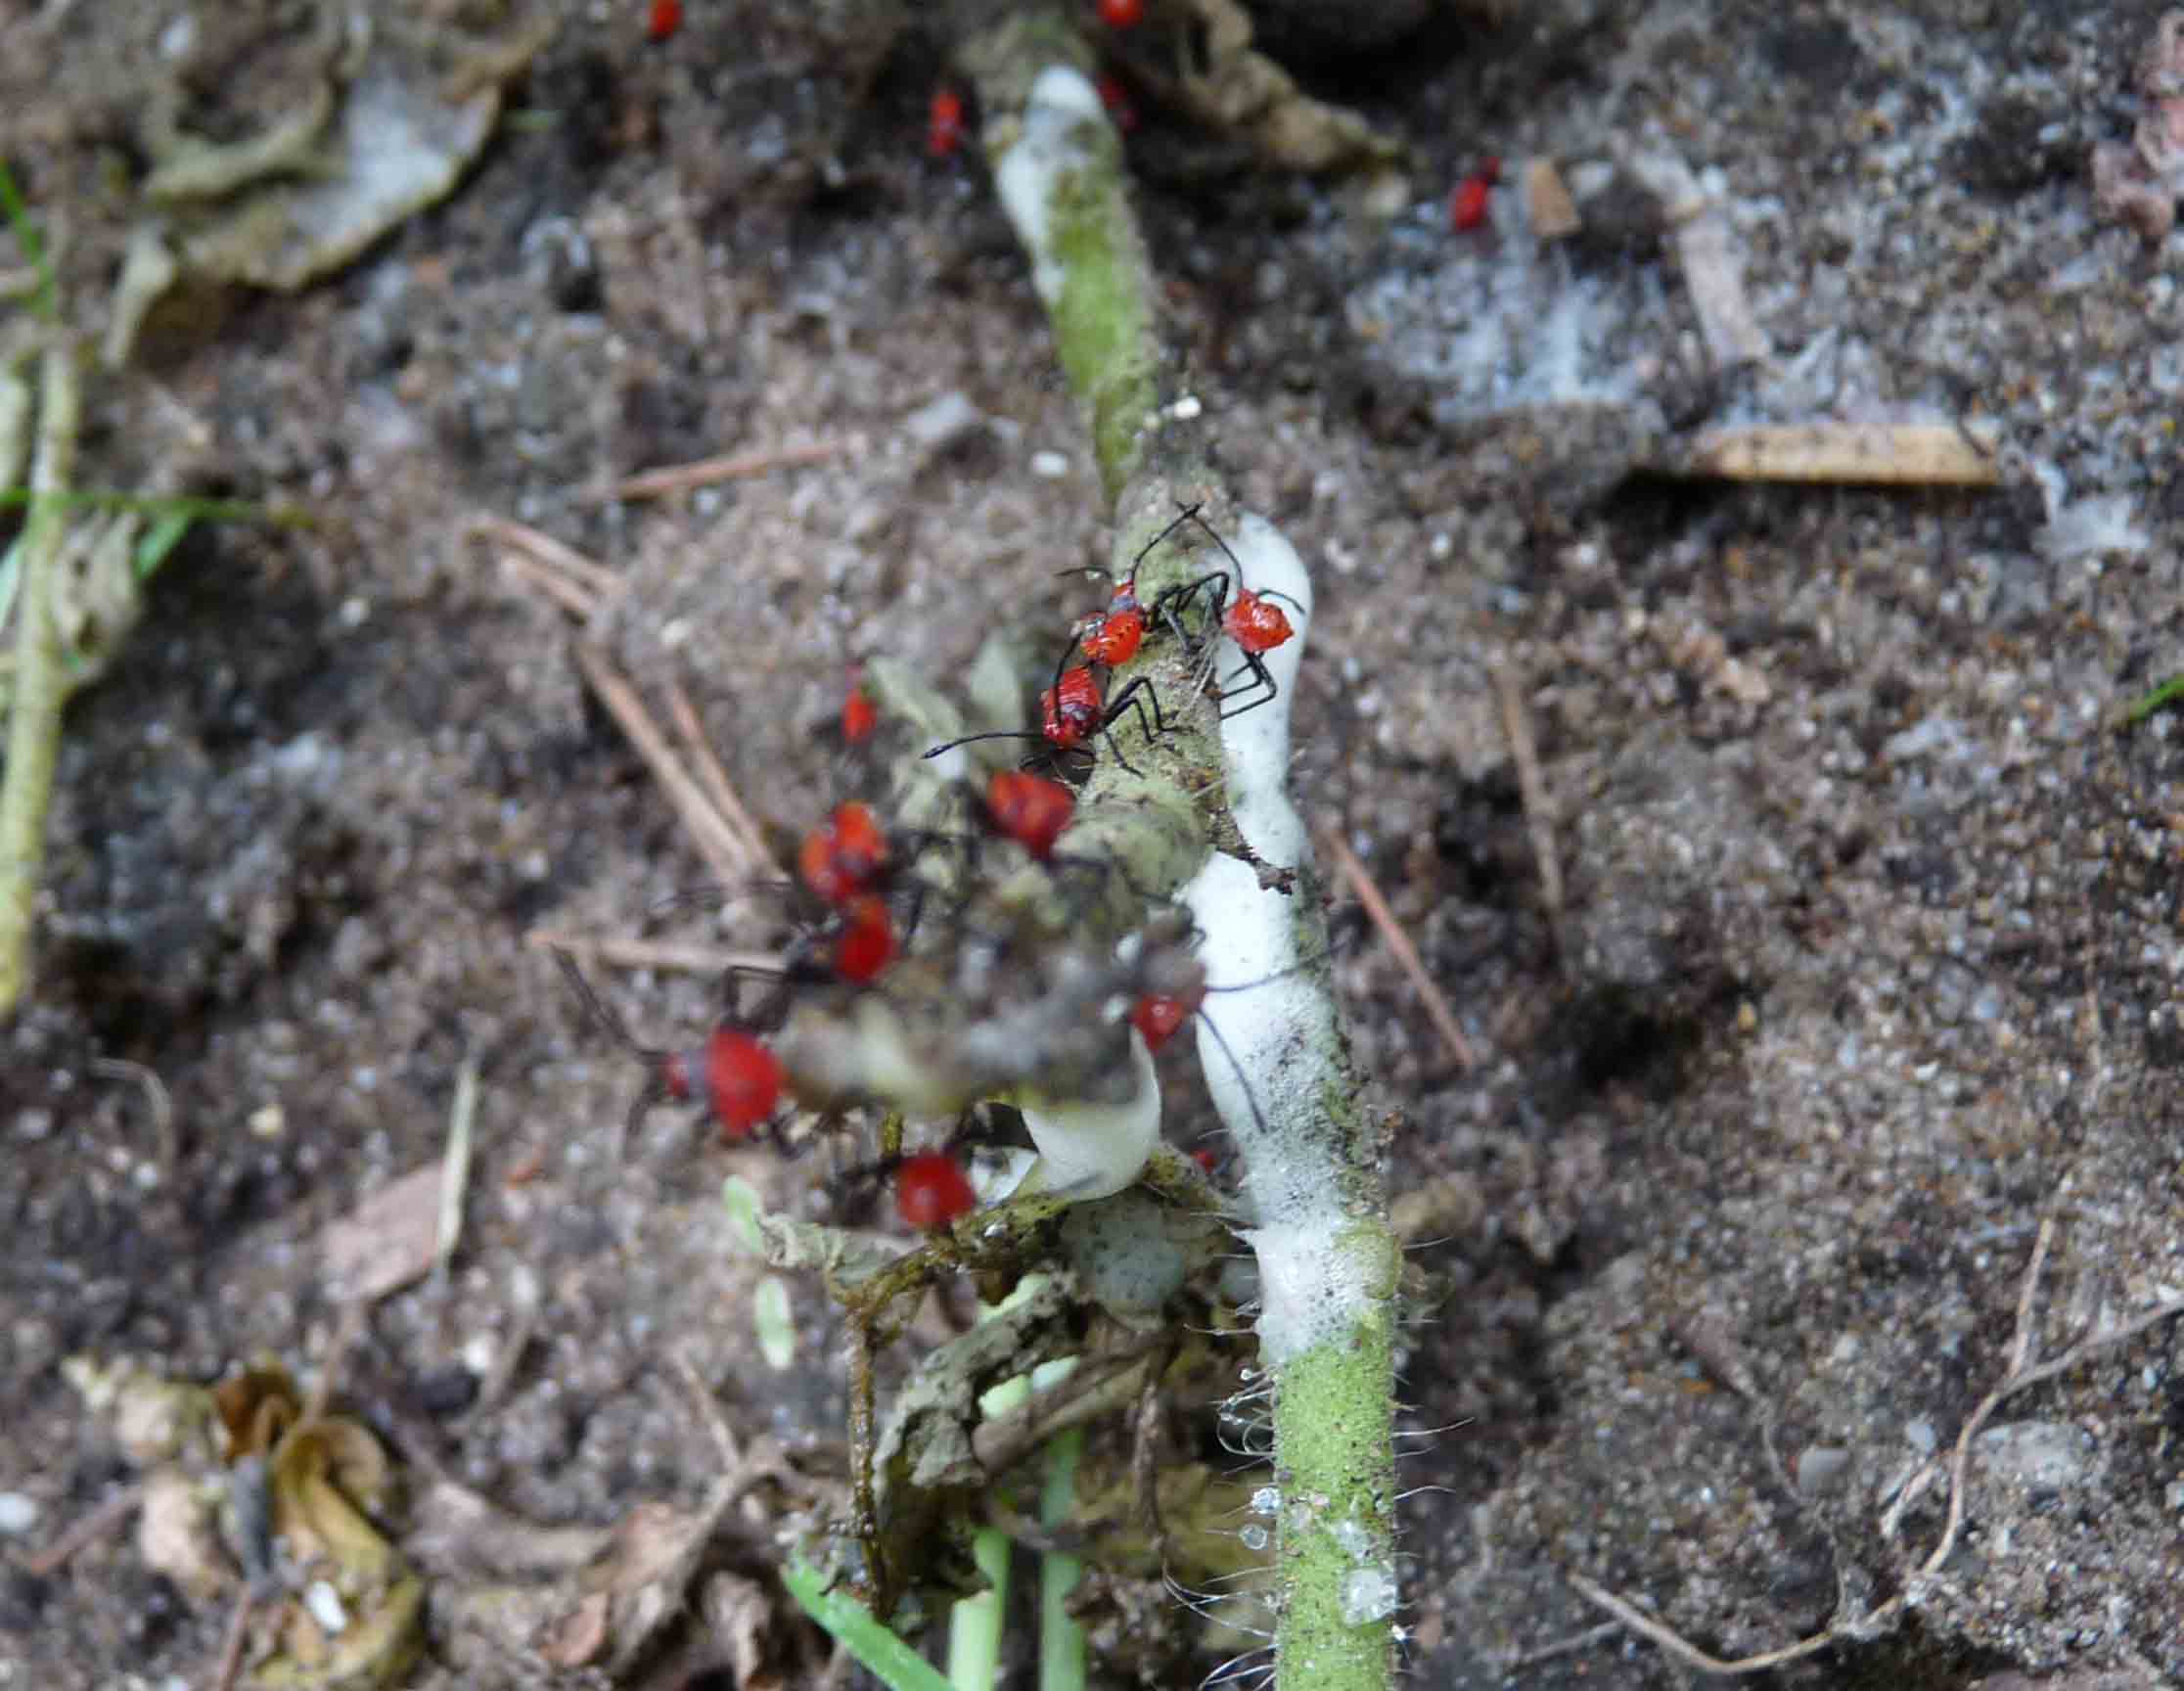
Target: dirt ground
(1866, 961)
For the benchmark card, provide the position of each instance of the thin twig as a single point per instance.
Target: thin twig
(579, 601)
(734, 467)
(94, 1523)
(1531, 788)
(1570, 1646)
(714, 777)
(2018, 1376)
(627, 952)
(230, 1661)
(455, 1167)
(1383, 918)
(716, 841)
(708, 1412)
(543, 548)
(34, 723)
(162, 1102)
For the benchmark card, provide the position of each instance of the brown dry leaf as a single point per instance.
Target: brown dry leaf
(386, 1242)
(256, 1406)
(1247, 95)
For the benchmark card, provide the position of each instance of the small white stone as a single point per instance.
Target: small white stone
(326, 1606)
(1050, 465)
(18, 1513)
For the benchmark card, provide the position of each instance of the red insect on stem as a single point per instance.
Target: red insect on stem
(1071, 715)
(1121, 14)
(846, 857)
(1029, 809)
(931, 1191)
(1250, 619)
(664, 19)
(859, 715)
(1116, 99)
(866, 942)
(944, 122)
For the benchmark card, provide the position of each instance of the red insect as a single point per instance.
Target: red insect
(944, 122)
(743, 1081)
(1121, 14)
(1070, 710)
(1466, 206)
(665, 18)
(1116, 99)
(866, 942)
(1158, 1017)
(1029, 809)
(931, 1191)
(1256, 625)
(1112, 636)
(846, 857)
(735, 1074)
(859, 715)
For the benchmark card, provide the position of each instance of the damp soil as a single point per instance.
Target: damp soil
(1866, 954)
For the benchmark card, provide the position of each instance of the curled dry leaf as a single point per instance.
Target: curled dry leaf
(1243, 93)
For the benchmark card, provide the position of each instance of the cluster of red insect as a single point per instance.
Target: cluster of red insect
(859, 890)
(1077, 710)
(861, 895)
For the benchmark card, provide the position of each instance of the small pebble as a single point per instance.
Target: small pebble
(1051, 466)
(17, 1513)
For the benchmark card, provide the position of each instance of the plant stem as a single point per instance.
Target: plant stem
(1060, 1636)
(35, 725)
(1328, 1257)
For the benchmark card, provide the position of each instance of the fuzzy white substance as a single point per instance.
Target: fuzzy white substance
(1090, 1151)
(1050, 145)
(1268, 1080)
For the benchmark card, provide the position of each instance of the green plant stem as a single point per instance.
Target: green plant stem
(1061, 1637)
(34, 724)
(1058, 166)
(975, 1624)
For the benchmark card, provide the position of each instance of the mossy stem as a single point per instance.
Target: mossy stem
(34, 721)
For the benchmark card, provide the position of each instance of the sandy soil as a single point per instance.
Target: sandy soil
(1867, 960)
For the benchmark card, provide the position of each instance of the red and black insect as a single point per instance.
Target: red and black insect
(1112, 636)
(735, 1074)
(1252, 620)
(1029, 809)
(931, 1191)
(860, 717)
(944, 122)
(847, 859)
(1072, 714)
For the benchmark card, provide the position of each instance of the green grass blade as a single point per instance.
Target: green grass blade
(164, 537)
(2167, 694)
(878, 1650)
(46, 302)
